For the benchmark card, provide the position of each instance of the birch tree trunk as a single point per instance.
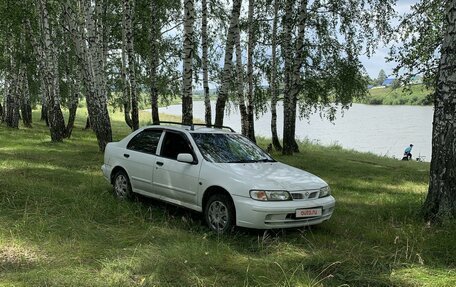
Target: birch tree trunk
(440, 203)
(12, 98)
(207, 100)
(292, 74)
(2, 103)
(49, 64)
(44, 110)
(240, 83)
(274, 91)
(123, 73)
(88, 24)
(128, 15)
(154, 60)
(74, 87)
(288, 110)
(250, 99)
(187, 101)
(26, 108)
(226, 73)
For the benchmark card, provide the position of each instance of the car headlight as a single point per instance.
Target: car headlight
(325, 191)
(270, 195)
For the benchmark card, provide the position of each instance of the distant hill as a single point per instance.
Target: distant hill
(418, 95)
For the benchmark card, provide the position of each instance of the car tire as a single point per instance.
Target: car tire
(122, 186)
(219, 213)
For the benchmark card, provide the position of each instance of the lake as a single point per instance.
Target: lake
(383, 130)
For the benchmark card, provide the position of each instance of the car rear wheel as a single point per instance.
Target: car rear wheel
(122, 187)
(219, 213)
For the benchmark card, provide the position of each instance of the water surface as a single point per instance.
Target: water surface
(383, 130)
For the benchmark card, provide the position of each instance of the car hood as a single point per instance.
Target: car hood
(273, 176)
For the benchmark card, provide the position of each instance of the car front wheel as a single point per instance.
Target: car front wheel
(219, 213)
(122, 187)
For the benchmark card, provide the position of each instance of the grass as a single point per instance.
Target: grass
(417, 95)
(60, 225)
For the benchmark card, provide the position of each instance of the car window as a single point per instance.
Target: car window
(229, 148)
(174, 144)
(146, 141)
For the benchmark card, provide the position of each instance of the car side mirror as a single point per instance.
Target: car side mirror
(185, 157)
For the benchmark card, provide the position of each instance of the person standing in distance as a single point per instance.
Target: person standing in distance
(408, 153)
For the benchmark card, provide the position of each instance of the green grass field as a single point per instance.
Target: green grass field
(60, 225)
(417, 95)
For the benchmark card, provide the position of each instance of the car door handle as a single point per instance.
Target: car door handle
(159, 163)
(126, 155)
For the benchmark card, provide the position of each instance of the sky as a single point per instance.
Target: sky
(377, 61)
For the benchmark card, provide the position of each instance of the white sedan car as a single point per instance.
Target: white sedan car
(219, 173)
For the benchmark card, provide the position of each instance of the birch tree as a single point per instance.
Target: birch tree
(48, 55)
(273, 79)
(292, 70)
(321, 53)
(240, 83)
(126, 99)
(187, 104)
(204, 59)
(86, 22)
(73, 86)
(24, 93)
(228, 61)
(154, 38)
(158, 51)
(440, 203)
(130, 87)
(251, 45)
(11, 116)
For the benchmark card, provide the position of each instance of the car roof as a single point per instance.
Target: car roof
(196, 128)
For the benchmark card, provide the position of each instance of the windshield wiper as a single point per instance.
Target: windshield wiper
(252, 160)
(242, 161)
(266, 160)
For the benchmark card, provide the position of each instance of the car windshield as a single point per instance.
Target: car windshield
(229, 148)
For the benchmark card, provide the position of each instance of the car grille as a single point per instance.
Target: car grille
(305, 194)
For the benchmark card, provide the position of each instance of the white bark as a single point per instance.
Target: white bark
(187, 104)
(226, 74)
(251, 46)
(273, 80)
(85, 23)
(207, 100)
(129, 47)
(154, 60)
(440, 204)
(48, 53)
(240, 83)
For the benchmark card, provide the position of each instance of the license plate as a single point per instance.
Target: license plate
(310, 212)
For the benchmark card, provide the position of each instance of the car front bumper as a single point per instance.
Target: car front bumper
(280, 214)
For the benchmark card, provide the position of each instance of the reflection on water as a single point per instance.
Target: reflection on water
(383, 130)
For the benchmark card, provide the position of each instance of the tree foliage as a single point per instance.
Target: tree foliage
(419, 38)
(129, 54)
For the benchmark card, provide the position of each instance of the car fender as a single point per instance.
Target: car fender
(210, 177)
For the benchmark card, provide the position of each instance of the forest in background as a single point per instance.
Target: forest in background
(306, 54)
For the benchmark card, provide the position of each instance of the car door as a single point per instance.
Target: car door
(139, 159)
(176, 181)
